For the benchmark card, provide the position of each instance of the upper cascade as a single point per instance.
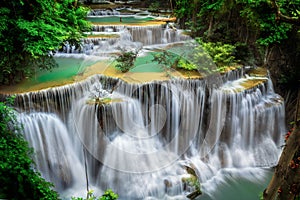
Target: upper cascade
(110, 26)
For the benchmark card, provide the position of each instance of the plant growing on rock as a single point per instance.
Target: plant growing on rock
(192, 181)
(108, 195)
(221, 54)
(125, 61)
(167, 61)
(184, 64)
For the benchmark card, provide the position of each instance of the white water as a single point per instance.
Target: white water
(138, 146)
(124, 37)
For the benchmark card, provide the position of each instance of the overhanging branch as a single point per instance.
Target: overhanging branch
(282, 17)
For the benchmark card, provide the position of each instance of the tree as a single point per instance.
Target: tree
(31, 31)
(125, 61)
(285, 183)
(18, 179)
(186, 11)
(294, 19)
(239, 21)
(264, 32)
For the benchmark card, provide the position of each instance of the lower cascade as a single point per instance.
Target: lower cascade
(140, 139)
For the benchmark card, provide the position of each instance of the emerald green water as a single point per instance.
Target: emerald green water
(67, 68)
(146, 64)
(235, 184)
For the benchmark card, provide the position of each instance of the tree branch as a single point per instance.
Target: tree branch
(283, 18)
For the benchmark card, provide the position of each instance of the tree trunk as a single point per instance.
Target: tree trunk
(211, 20)
(285, 183)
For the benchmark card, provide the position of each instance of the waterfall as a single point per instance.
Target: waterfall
(138, 143)
(158, 33)
(54, 154)
(106, 39)
(139, 139)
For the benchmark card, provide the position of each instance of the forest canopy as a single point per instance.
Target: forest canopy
(30, 31)
(264, 32)
(263, 16)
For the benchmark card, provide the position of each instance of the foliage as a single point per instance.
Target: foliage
(227, 16)
(183, 8)
(154, 6)
(186, 11)
(166, 61)
(205, 57)
(186, 65)
(261, 16)
(221, 54)
(18, 179)
(193, 181)
(31, 31)
(108, 195)
(125, 61)
(250, 25)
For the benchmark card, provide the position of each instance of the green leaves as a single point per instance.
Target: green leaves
(217, 5)
(108, 195)
(40, 36)
(272, 32)
(221, 54)
(29, 30)
(18, 180)
(261, 16)
(184, 64)
(125, 61)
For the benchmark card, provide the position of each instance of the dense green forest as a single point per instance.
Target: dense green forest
(264, 33)
(31, 31)
(18, 180)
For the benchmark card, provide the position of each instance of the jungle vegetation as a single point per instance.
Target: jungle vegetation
(18, 178)
(263, 32)
(31, 32)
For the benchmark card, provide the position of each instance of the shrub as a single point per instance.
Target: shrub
(18, 179)
(108, 195)
(184, 64)
(221, 54)
(126, 60)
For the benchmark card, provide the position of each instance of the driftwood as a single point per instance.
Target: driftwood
(194, 194)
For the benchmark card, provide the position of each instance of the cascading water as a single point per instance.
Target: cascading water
(54, 154)
(138, 139)
(139, 144)
(155, 34)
